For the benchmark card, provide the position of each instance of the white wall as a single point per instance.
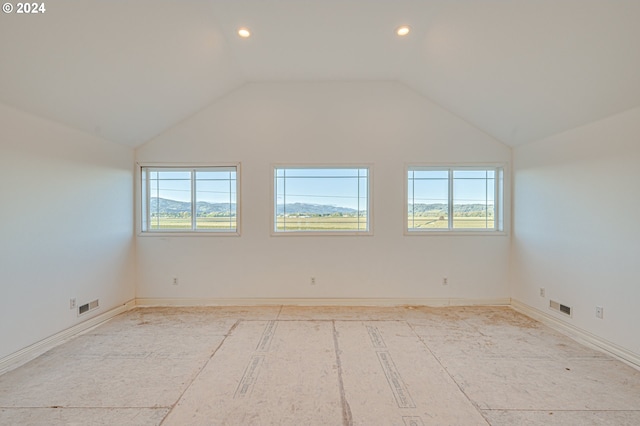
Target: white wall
(66, 201)
(576, 227)
(382, 123)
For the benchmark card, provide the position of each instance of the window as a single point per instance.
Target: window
(190, 199)
(321, 200)
(454, 199)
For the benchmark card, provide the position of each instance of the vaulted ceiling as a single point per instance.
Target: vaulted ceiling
(129, 69)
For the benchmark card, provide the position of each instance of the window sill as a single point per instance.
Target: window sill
(188, 234)
(461, 233)
(321, 234)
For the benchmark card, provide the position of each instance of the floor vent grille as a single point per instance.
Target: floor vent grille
(556, 306)
(83, 309)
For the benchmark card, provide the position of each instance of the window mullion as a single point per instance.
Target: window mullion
(193, 200)
(158, 200)
(496, 200)
(450, 201)
(413, 199)
(358, 184)
(147, 200)
(486, 199)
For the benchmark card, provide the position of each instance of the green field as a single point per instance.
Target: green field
(211, 223)
(320, 223)
(440, 222)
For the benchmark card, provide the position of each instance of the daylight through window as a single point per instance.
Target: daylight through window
(321, 199)
(201, 199)
(450, 199)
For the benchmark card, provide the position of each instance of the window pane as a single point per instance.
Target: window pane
(215, 200)
(473, 199)
(321, 199)
(174, 195)
(170, 200)
(470, 205)
(429, 197)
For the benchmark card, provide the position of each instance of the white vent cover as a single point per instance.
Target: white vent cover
(87, 307)
(557, 306)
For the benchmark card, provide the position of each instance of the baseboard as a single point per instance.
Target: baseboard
(25, 355)
(319, 302)
(579, 334)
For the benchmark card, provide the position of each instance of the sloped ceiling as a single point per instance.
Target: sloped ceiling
(127, 70)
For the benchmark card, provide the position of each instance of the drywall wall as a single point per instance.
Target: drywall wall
(65, 225)
(384, 124)
(576, 227)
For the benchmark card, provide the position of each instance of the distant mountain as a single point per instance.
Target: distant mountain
(169, 208)
(428, 209)
(313, 209)
(165, 207)
(441, 209)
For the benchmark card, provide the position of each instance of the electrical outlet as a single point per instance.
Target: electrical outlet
(599, 312)
(175, 281)
(72, 303)
(445, 281)
(542, 292)
(313, 280)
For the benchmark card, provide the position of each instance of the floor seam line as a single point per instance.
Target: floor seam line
(478, 409)
(215, 351)
(347, 419)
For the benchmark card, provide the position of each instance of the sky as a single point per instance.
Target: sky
(469, 187)
(331, 186)
(212, 187)
(335, 187)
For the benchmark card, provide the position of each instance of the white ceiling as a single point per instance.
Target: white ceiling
(129, 69)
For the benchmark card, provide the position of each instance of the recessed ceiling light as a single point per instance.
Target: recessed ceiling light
(403, 30)
(244, 32)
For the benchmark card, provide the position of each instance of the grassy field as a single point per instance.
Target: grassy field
(425, 222)
(185, 223)
(320, 223)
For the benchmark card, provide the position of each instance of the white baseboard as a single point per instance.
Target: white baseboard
(25, 355)
(319, 302)
(576, 333)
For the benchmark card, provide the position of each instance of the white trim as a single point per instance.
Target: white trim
(25, 355)
(578, 334)
(320, 302)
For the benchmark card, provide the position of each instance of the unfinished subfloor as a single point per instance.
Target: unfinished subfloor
(288, 365)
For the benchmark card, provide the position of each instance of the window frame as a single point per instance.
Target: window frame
(143, 200)
(320, 233)
(500, 199)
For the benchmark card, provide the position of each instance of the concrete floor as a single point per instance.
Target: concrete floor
(321, 366)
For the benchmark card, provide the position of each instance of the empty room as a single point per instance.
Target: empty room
(320, 212)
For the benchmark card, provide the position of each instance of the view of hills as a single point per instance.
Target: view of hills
(171, 208)
(437, 209)
(314, 209)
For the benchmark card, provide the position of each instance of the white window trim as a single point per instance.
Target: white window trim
(272, 222)
(201, 233)
(505, 213)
